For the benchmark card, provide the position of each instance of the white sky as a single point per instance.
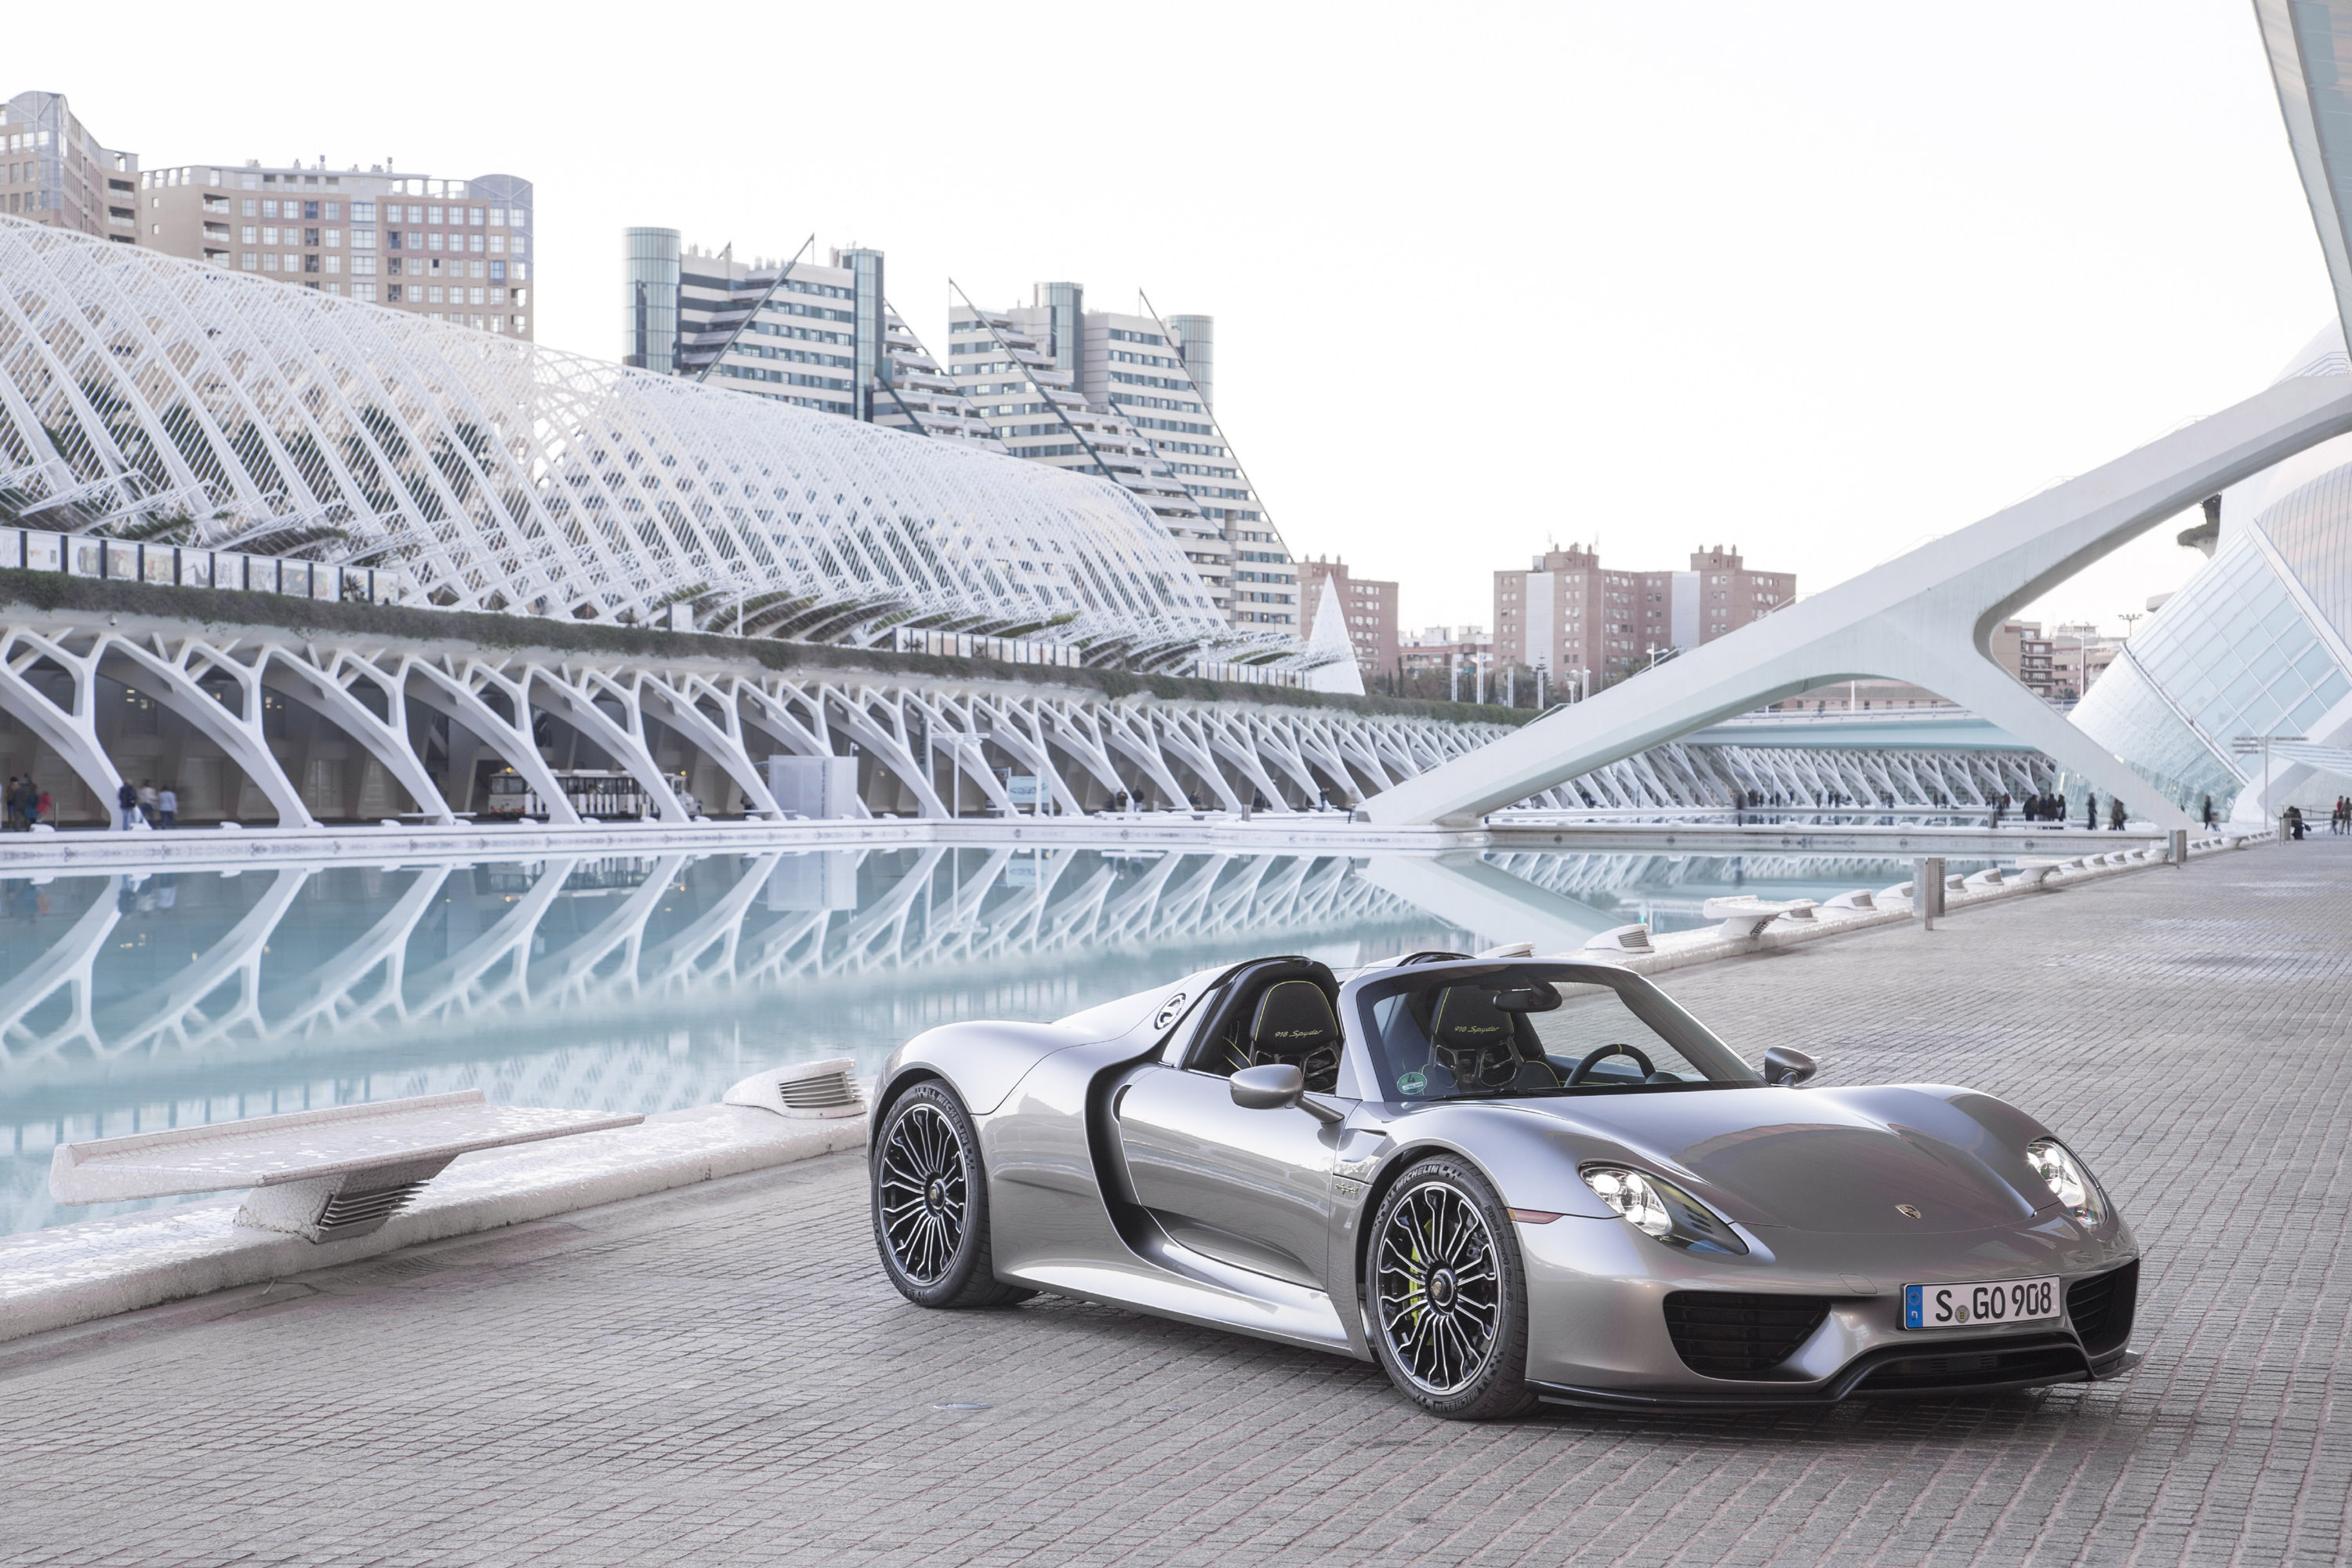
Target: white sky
(1822, 281)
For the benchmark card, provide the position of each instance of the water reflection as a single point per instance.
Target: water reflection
(135, 1002)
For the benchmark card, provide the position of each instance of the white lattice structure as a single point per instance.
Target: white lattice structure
(144, 395)
(263, 724)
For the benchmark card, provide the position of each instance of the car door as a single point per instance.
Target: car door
(1251, 1188)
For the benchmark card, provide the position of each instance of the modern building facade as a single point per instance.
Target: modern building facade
(1368, 604)
(55, 171)
(2257, 643)
(1569, 615)
(460, 252)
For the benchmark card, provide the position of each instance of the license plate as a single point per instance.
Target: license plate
(1992, 1302)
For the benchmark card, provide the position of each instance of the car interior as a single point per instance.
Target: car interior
(1281, 1011)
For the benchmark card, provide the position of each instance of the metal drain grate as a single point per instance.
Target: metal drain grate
(819, 1092)
(348, 1212)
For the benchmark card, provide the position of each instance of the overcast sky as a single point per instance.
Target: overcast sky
(1819, 279)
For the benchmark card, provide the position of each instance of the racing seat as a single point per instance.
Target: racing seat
(1482, 1046)
(1293, 1026)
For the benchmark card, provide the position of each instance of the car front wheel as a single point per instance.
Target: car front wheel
(1448, 1295)
(930, 1204)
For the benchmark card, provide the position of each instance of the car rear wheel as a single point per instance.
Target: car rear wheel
(1448, 1295)
(930, 1204)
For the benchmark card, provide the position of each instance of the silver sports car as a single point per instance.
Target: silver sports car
(1507, 1180)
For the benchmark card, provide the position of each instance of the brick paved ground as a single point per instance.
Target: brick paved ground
(721, 1376)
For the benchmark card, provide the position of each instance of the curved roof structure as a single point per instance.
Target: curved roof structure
(150, 396)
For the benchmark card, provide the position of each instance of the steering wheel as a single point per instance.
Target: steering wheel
(1603, 1054)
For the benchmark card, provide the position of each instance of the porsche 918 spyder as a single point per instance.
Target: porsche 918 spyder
(1505, 1180)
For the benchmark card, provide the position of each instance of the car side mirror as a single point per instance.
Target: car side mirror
(1273, 1087)
(1788, 1068)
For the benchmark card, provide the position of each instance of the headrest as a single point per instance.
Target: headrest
(1294, 1018)
(1472, 1038)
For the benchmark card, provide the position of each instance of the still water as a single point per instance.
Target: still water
(132, 1002)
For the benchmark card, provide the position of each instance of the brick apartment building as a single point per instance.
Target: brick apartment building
(1370, 607)
(1567, 613)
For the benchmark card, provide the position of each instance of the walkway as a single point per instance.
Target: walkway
(721, 1377)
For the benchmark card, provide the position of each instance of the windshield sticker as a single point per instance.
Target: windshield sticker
(1411, 1083)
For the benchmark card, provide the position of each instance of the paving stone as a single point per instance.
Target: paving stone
(720, 1375)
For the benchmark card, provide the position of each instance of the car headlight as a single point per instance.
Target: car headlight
(2068, 1182)
(1658, 1208)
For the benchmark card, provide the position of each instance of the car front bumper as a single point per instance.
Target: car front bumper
(1598, 1332)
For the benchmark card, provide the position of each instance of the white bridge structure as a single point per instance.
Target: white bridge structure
(1929, 616)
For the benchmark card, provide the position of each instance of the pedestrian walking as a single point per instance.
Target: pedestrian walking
(2091, 812)
(2115, 813)
(42, 807)
(2208, 811)
(147, 807)
(167, 802)
(127, 797)
(2295, 823)
(16, 799)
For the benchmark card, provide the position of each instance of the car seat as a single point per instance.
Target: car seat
(1481, 1045)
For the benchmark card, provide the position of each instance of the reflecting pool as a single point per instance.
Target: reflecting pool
(132, 1002)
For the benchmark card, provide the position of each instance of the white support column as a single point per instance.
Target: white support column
(460, 689)
(71, 734)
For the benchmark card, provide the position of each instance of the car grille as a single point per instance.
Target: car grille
(1978, 1364)
(1724, 1333)
(2100, 1308)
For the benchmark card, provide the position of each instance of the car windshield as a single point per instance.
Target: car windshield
(1459, 1032)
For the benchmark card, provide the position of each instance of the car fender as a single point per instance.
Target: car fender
(1530, 1160)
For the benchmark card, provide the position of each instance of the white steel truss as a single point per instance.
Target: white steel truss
(147, 396)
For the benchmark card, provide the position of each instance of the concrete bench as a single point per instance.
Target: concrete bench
(1747, 917)
(1632, 938)
(320, 1174)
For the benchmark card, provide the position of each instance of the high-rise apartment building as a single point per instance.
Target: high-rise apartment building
(1113, 393)
(457, 251)
(819, 336)
(1104, 393)
(54, 171)
(1369, 606)
(1567, 613)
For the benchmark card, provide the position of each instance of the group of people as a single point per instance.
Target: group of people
(2340, 819)
(26, 803)
(147, 805)
(2042, 808)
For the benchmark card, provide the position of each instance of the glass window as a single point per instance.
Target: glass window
(1459, 1032)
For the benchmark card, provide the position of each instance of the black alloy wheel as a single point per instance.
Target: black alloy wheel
(1448, 1296)
(930, 1204)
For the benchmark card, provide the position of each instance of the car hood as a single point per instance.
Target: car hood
(1825, 1158)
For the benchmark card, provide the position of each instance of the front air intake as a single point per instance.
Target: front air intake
(1725, 1333)
(2100, 1308)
